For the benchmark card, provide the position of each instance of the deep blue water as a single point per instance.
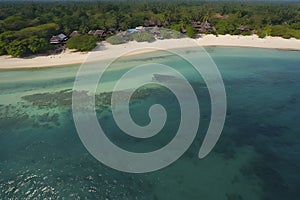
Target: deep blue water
(257, 156)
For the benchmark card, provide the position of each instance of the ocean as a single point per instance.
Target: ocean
(256, 157)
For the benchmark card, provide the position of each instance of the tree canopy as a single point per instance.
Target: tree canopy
(82, 42)
(30, 25)
(115, 39)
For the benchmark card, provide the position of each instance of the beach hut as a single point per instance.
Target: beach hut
(197, 25)
(58, 39)
(55, 40)
(91, 32)
(131, 30)
(203, 26)
(74, 33)
(155, 30)
(243, 28)
(100, 33)
(158, 23)
(139, 28)
(151, 22)
(166, 23)
(111, 31)
(146, 23)
(219, 16)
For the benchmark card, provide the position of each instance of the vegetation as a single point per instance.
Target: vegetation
(143, 36)
(82, 42)
(26, 28)
(27, 40)
(165, 33)
(115, 39)
(190, 31)
(283, 31)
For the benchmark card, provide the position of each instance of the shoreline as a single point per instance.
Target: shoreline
(106, 51)
(251, 41)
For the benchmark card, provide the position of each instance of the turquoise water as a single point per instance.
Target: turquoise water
(257, 156)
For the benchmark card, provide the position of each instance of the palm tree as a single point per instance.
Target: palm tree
(205, 17)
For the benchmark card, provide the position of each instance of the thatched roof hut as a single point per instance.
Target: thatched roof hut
(74, 33)
(57, 39)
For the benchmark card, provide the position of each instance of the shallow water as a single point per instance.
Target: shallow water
(257, 156)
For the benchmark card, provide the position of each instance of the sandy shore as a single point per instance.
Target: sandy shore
(250, 41)
(106, 51)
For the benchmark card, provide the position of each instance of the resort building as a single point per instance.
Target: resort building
(74, 33)
(243, 28)
(139, 28)
(58, 39)
(100, 33)
(131, 30)
(203, 26)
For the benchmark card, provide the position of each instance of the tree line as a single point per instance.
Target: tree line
(25, 28)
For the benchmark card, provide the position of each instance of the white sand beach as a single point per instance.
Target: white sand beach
(250, 41)
(106, 51)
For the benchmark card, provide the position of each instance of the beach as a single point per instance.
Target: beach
(105, 51)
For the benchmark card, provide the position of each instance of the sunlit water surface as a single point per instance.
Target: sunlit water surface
(257, 156)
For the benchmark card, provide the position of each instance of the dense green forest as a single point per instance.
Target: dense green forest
(25, 28)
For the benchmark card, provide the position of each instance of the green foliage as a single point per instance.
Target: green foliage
(176, 27)
(115, 39)
(245, 33)
(44, 30)
(82, 42)
(284, 31)
(37, 45)
(21, 21)
(280, 30)
(166, 33)
(261, 34)
(295, 25)
(30, 40)
(175, 34)
(17, 48)
(266, 31)
(5, 39)
(143, 37)
(14, 22)
(225, 26)
(191, 31)
(296, 34)
(2, 50)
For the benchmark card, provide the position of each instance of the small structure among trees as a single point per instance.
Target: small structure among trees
(243, 28)
(152, 22)
(219, 16)
(100, 33)
(203, 26)
(74, 33)
(58, 39)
